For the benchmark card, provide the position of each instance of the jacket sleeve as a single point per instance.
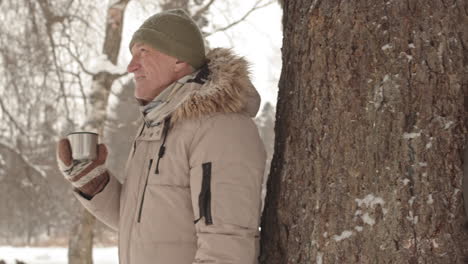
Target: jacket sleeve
(227, 161)
(105, 205)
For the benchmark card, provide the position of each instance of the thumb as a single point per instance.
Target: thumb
(101, 154)
(64, 153)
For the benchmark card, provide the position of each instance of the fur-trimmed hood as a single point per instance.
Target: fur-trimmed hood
(222, 85)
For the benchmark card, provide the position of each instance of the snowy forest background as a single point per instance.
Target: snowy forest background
(51, 51)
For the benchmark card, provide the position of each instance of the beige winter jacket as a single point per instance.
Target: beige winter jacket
(192, 192)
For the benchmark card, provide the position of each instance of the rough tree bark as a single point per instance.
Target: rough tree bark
(371, 123)
(81, 237)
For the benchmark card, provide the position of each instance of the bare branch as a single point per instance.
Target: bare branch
(24, 159)
(254, 8)
(8, 114)
(77, 60)
(202, 10)
(59, 76)
(80, 84)
(120, 75)
(50, 19)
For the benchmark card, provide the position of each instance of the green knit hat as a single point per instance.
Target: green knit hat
(174, 33)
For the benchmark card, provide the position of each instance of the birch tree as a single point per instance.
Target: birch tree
(81, 240)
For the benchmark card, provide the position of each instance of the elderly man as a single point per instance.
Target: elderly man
(192, 191)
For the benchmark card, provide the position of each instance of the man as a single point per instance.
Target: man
(193, 177)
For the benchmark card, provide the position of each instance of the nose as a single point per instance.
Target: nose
(133, 65)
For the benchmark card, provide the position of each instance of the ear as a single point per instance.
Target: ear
(181, 66)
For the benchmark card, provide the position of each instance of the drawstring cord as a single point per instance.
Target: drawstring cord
(162, 149)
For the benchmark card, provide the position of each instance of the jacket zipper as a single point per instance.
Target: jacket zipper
(144, 190)
(204, 199)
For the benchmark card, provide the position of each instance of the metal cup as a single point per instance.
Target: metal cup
(83, 145)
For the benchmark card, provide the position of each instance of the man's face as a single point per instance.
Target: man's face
(152, 70)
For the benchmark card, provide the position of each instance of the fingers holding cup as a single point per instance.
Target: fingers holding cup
(64, 153)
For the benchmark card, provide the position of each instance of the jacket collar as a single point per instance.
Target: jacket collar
(223, 85)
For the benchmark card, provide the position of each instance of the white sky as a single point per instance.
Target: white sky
(258, 38)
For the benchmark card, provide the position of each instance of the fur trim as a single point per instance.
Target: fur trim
(226, 89)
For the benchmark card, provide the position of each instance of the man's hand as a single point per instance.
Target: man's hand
(88, 177)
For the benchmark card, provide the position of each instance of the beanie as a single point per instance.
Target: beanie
(173, 33)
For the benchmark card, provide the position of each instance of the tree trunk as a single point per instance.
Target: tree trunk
(80, 249)
(81, 237)
(371, 123)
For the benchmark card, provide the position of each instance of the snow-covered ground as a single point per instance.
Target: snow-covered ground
(50, 255)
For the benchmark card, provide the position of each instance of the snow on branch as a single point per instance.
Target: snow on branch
(103, 64)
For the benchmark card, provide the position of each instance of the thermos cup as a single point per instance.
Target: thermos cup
(83, 145)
